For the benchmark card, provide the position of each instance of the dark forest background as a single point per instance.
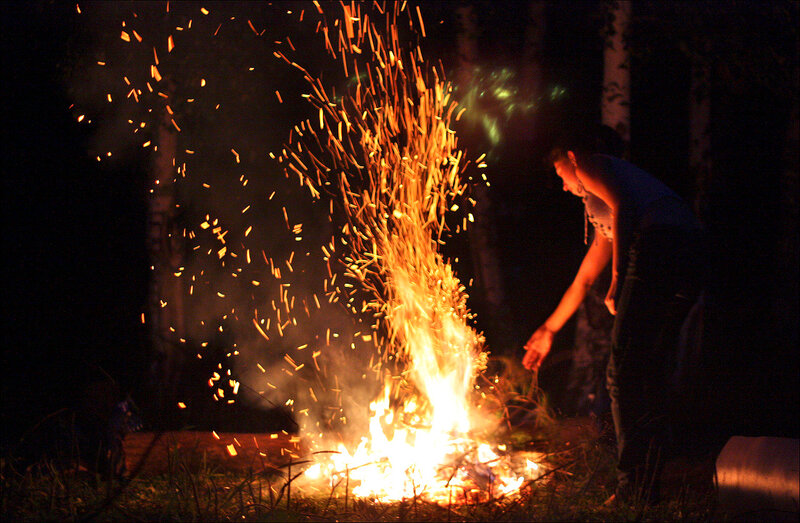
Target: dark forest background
(75, 266)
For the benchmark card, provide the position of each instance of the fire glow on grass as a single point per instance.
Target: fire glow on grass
(386, 153)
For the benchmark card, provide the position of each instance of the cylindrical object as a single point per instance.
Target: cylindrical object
(759, 478)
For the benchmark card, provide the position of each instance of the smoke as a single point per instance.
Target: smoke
(246, 240)
(262, 264)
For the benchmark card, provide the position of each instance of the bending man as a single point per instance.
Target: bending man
(652, 239)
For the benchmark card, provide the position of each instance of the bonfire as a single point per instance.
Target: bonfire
(387, 155)
(383, 159)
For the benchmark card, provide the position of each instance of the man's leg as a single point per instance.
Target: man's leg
(636, 379)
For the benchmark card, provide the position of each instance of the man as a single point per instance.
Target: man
(652, 239)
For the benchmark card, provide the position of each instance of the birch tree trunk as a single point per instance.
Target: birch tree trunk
(615, 105)
(485, 261)
(593, 322)
(164, 246)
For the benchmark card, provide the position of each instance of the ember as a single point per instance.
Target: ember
(387, 165)
(387, 153)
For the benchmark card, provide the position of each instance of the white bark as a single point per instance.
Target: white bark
(591, 337)
(615, 105)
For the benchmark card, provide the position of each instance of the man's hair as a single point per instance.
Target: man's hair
(591, 139)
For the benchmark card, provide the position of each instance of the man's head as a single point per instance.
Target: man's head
(572, 146)
(565, 163)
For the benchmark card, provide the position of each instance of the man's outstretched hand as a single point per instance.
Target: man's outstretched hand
(537, 347)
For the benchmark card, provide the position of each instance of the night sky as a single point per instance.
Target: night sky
(75, 276)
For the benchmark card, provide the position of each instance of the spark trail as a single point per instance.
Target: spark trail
(385, 152)
(387, 164)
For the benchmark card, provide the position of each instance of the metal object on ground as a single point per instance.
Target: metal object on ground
(758, 479)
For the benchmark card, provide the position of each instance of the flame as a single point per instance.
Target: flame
(397, 461)
(386, 155)
(394, 163)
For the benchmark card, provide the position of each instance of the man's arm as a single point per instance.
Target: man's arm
(593, 263)
(596, 175)
(538, 346)
(611, 295)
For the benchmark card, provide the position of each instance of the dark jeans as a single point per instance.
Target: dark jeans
(662, 282)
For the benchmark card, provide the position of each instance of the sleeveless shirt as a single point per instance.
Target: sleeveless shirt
(644, 202)
(599, 214)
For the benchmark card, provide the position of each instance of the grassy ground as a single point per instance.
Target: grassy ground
(579, 458)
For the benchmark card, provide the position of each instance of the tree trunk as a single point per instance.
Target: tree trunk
(532, 56)
(593, 322)
(699, 136)
(788, 308)
(164, 245)
(533, 53)
(485, 260)
(615, 105)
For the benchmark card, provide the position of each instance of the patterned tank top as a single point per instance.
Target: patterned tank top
(599, 214)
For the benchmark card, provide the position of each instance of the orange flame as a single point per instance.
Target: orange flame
(394, 161)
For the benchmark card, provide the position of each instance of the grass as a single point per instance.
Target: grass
(579, 481)
(579, 459)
